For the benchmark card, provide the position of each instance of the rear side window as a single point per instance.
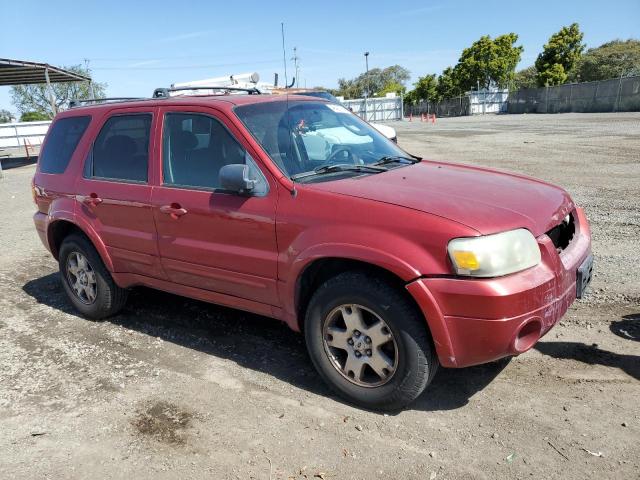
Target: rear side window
(61, 143)
(121, 150)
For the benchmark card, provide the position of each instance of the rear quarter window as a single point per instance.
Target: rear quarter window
(62, 141)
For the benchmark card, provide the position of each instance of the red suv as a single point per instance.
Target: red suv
(292, 207)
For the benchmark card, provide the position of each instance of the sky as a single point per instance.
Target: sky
(137, 46)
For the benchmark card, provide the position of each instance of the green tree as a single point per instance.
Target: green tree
(375, 81)
(554, 75)
(559, 56)
(35, 98)
(610, 60)
(526, 78)
(488, 62)
(33, 117)
(392, 87)
(5, 116)
(395, 74)
(426, 88)
(448, 86)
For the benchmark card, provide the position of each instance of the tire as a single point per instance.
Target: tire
(415, 362)
(108, 298)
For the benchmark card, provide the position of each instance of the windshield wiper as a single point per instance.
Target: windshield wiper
(340, 167)
(396, 159)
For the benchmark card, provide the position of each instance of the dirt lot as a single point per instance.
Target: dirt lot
(174, 388)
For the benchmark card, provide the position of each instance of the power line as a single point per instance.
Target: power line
(176, 67)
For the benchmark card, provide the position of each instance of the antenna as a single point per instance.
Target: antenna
(284, 55)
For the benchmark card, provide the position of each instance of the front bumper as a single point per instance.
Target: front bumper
(475, 321)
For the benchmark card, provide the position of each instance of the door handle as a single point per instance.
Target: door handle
(92, 200)
(174, 210)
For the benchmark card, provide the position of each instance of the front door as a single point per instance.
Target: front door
(208, 238)
(115, 191)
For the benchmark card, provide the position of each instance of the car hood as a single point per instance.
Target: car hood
(485, 200)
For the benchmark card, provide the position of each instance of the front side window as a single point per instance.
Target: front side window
(303, 137)
(62, 141)
(121, 150)
(196, 147)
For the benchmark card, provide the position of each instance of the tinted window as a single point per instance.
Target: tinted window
(121, 151)
(61, 143)
(196, 147)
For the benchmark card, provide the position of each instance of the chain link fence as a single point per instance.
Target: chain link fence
(451, 107)
(615, 95)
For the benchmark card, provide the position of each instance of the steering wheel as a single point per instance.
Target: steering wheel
(349, 156)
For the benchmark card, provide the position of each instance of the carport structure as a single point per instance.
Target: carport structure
(20, 72)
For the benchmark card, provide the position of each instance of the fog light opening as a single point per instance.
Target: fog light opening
(527, 337)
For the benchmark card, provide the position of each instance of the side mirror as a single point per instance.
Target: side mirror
(235, 178)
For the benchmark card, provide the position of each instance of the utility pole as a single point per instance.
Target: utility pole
(50, 92)
(86, 66)
(295, 59)
(366, 92)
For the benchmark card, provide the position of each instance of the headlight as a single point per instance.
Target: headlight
(494, 255)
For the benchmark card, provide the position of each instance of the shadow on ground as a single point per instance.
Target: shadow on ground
(592, 355)
(14, 162)
(627, 328)
(252, 341)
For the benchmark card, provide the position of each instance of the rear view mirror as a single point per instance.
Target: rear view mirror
(235, 178)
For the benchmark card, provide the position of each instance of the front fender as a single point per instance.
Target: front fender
(374, 256)
(386, 260)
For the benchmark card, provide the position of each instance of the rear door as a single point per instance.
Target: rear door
(115, 190)
(209, 238)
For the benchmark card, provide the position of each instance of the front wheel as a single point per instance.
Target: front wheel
(369, 342)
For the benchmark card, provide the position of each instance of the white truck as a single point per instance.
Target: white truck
(252, 80)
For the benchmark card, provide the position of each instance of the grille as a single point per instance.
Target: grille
(562, 234)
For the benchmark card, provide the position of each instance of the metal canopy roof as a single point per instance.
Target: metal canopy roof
(17, 72)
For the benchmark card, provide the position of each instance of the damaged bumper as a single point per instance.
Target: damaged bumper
(475, 321)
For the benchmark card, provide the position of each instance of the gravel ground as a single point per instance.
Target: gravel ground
(175, 388)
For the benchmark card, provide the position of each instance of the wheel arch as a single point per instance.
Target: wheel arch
(61, 228)
(319, 270)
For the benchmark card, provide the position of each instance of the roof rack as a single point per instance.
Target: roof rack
(166, 92)
(80, 102)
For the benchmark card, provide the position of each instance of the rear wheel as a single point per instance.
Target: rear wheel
(86, 280)
(369, 342)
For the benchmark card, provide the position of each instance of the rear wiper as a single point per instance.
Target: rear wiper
(396, 159)
(340, 167)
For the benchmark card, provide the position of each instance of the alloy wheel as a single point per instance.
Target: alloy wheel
(81, 278)
(360, 345)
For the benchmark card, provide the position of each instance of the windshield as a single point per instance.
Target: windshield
(303, 136)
